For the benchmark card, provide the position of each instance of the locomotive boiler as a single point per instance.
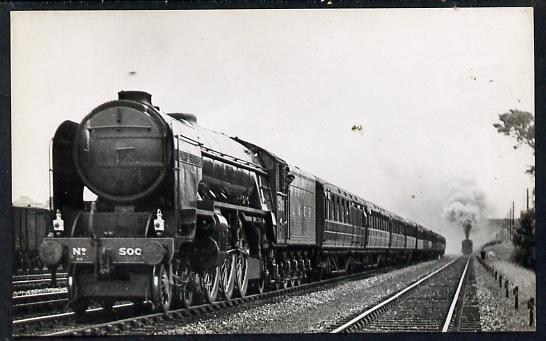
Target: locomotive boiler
(184, 213)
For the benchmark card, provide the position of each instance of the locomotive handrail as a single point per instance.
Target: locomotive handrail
(148, 223)
(119, 127)
(91, 227)
(239, 208)
(75, 223)
(189, 140)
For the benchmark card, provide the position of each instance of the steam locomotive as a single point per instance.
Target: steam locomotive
(184, 213)
(467, 246)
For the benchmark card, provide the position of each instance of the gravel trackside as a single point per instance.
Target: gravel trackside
(497, 312)
(306, 313)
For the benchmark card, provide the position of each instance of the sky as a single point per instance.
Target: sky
(425, 85)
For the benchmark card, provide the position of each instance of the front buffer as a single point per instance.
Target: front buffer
(107, 270)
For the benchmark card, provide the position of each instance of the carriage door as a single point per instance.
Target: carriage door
(283, 205)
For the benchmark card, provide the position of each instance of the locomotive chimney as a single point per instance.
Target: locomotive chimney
(138, 96)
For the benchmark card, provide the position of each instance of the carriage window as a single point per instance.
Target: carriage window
(358, 216)
(325, 208)
(342, 210)
(346, 211)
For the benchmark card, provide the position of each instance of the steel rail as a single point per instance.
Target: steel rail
(33, 281)
(389, 300)
(47, 318)
(40, 275)
(455, 299)
(213, 307)
(41, 296)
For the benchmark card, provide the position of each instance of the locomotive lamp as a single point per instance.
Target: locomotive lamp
(159, 223)
(58, 224)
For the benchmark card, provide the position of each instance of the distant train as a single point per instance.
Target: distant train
(30, 226)
(467, 246)
(184, 212)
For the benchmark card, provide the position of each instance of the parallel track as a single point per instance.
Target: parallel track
(133, 320)
(39, 282)
(45, 275)
(436, 302)
(39, 302)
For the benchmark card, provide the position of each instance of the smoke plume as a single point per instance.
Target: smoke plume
(465, 206)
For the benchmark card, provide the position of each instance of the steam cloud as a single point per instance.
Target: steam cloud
(465, 206)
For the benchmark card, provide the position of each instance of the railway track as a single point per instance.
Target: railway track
(38, 281)
(444, 300)
(39, 276)
(27, 304)
(126, 319)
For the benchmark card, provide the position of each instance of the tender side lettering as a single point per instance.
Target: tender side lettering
(129, 251)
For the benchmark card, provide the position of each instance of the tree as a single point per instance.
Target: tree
(520, 125)
(524, 240)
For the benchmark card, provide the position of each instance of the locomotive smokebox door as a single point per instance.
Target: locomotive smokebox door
(121, 152)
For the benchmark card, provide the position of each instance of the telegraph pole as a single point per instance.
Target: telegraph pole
(513, 221)
(527, 199)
